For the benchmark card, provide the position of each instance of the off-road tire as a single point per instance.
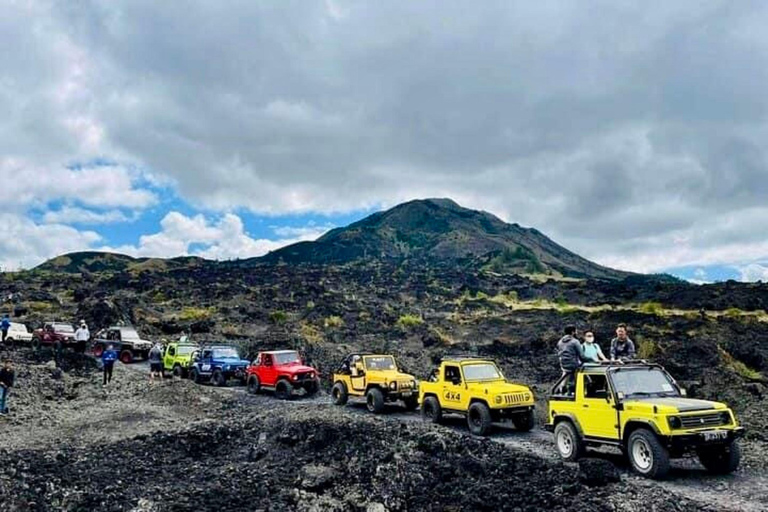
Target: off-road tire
(524, 422)
(431, 410)
(98, 350)
(647, 455)
(339, 394)
(312, 387)
(568, 442)
(35, 342)
(178, 371)
(126, 357)
(411, 403)
(195, 376)
(374, 400)
(720, 460)
(9, 339)
(479, 419)
(254, 386)
(218, 378)
(283, 390)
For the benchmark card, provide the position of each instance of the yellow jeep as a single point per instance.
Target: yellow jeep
(640, 409)
(375, 377)
(477, 389)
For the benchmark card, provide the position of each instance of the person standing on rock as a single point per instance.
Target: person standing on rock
(7, 376)
(5, 325)
(621, 346)
(155, 363)
(592, 351)
(108, 359)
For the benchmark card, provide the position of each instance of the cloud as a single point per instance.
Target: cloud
(75, 215)
(627, 136)
(754, 272)
(309, 232)
(219, 239)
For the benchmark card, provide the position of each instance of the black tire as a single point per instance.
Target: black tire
(126, 357)
(283, 390)
(374, 400)
(178, 371)
(431, 410)
(218, 378)
(35, 342)
(479, 419)
(647, 455)
(411, 403)
(195, 376)
(721, 460)
(524, 422)
(568, 442)
(339, 394)
(254, 386)
(312, 387)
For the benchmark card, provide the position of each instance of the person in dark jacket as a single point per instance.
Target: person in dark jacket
(7, 376)
(622, 347)
(570, 351)
(108, 359)
(156, 362)
(5, 325)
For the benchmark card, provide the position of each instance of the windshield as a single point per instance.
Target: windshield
(63, 328)
(380, 363)
(644, 382)
(225, 353)
(287, 358)
(129, 334)
(481, 371)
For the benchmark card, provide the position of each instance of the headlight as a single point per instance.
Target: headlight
(226, 367)
(726, 418)
(413, 384)
(497, 399)
(393, 385)
(295, 377)
(311, 375)
(674, 422)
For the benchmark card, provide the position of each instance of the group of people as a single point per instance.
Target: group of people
(572, 353)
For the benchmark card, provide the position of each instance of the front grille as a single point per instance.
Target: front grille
(513, 398)
(705, 420)
(406, 385)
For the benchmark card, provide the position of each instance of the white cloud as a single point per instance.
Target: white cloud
(26, 243)
(754, 272)
(220, 239)
(75, 215)
(309, 232)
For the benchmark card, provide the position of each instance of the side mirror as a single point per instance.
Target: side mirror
(620, 395)
(683, 392)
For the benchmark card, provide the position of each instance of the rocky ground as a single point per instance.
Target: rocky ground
(71, 444)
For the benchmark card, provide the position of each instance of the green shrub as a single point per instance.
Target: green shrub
(278, 317)
(647, 349)
(651, 308)
(334, 322)
(311, 333)
(192, 314)
(733, 312)
(739, 367)
(409, 321)
(311, 304)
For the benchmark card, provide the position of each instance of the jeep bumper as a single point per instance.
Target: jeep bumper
(712, 437)
(508, 412)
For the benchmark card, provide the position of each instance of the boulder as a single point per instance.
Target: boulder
(597, 472)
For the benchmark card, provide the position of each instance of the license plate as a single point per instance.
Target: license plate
(406, 394)
(718, 435)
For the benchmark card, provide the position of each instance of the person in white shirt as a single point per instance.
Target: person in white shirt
(82, 333)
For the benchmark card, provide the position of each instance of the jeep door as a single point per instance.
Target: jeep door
(267, 371)
(598, 415)
(357, 375)
(169, 357)
(454, 395)
(206, 362)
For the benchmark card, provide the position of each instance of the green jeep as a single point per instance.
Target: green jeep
(178, 357)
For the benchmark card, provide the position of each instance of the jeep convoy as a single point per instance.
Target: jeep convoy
(375, 377)
(283, 372)
(475, 388)
(639, 408)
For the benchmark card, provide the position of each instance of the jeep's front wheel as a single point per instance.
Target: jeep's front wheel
(219, 379)
(35, 342)
(479, 419)
(253, 384)
(720, 460)
(339, 394)
(374, 400)
(126, 357)
(283, 390)
(177, 371)
(431, 410)
(646, 454)
(523, 422)
(568, 442)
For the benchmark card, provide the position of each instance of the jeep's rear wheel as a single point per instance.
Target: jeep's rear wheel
(339, 394)
(374, 400)
(411, 403)
(568, 442)
(253, 384)
(312, 387)
(195, 376)
(523, 422)
(431, 410)
(283, 390)
(219, 379)
(126, 357)
(648, 457)
(479, 419)
(98, 350)
(720, 460)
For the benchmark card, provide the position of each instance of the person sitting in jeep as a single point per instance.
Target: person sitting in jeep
(622, 347)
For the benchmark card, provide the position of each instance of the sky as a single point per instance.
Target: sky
(633, 133)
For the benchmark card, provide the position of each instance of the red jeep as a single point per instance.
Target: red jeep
(283, 372)
(53, 332)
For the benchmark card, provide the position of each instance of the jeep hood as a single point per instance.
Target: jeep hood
(233, 361)
(672, 405)
(497, 387)
(295, 368)
(391, 375)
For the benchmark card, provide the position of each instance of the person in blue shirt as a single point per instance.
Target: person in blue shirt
(5, 325)
(108, 358)
(592, 351)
